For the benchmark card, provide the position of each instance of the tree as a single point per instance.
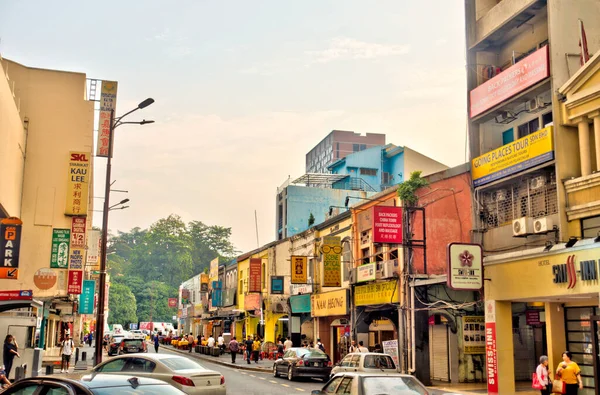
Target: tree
(407, 190)
(208, 243)
(153, 302)
(122, 305)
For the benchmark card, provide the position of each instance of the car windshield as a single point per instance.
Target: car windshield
(379, 362)
(178, 363)
(397, 385)
(141, 390)
(133, 342)
(308, 353)
(117, 339)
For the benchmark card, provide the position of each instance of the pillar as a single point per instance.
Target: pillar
(597, 139)
(555, 334)
(505, 348)
(584, 147)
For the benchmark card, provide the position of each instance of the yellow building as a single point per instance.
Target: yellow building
(46, 129)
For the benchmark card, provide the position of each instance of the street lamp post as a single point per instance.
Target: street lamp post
(100, 320)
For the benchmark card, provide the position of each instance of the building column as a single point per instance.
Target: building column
(584, 147)
(505, 348)
(597, 139)
(555, 334)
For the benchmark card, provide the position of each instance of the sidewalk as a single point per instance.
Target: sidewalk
(264, 365)
(522, 388)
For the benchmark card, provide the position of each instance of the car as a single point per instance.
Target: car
(176, 370)
(114, 343)
(356, 383)
(365, 362)
(303, 362)
(137, 334)
(101, 384)
(129, 346)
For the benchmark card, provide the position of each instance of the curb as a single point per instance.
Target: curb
(219, 362)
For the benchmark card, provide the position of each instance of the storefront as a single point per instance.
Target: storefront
(377, 312)
(541, 302)
(331, 310)
(301, 324)
(252, 323)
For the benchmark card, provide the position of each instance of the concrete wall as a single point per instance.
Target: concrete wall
(414, 161)
(12, 149)
(370, 158)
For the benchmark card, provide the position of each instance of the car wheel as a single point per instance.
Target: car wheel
(275, 374)
(290, 374)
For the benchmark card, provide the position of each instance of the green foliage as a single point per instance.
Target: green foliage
(407, 190)
(311, 220)
(121, 305)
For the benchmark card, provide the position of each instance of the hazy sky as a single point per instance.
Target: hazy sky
(244, 89)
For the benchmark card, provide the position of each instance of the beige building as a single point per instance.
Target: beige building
(45, 116)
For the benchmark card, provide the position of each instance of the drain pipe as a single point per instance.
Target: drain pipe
(413, 354)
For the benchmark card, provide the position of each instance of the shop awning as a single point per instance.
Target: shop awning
(6, 305)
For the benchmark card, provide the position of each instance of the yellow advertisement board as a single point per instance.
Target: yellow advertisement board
(378, 293)
(299, 270)
(332, 261)
(524, 153)
(78, 183)
(213, 271)
(329, 303)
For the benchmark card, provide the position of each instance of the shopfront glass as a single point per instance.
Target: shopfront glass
(580, 341)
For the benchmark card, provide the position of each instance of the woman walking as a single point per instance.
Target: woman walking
(9, 353)
(570, 373)
(542, 376)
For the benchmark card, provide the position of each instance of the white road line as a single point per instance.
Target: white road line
(272, 381)
(262, 378)
(252, 375)
(299, 389)
(285, 385)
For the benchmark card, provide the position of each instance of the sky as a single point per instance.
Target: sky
(244, 89)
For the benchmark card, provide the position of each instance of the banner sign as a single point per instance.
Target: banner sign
(86, 299)
(252, 302)
(390, 347)
(93, 252)
(366, 272)
(75, 282)
(16, 295)
(511, 81)
(332, 261)
(474, 334)
(524, 153)
(204, 282)
(300, 304)
(229, 297)
(277, 285)
(185, 296)
(214, 270)
(78, 183)
(216, 294)
(255, 275)
(108, 102)
(172, 302)
(299, 289)
(299, 269)
(59, 256)
(491, 353)
(78, 232)
(387, 224)
(10, 246)
(76, 257)
(465, 266)
(379, 293)
(329, 303)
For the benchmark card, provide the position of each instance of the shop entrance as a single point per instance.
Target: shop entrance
(582, 341)
(595, 321)
(340, 335)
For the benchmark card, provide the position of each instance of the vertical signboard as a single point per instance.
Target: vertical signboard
(108, 102)
(216, 294)
(213, 273)
(277, 285)
(255, 275)
(465, 266)
(204, 282)
(78, 183)
(93, 244)
(332, 261)
(59, 256)
(78, 231)
(86, 299)
(75, 282)
(299, 270)
(474, 335)
(76, 258)
(491, 353)
(10, 245)
(387, 224)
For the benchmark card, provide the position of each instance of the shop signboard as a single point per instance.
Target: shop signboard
(300, 304)
(10, 245)
(86, 299)
(277, 285)
(78, 183)
(252, 302)
(93, 251)
(185, 296)
(378, 293)
(229, 297)
(45, 278)
(16, 295)
(366, 272)
(172, 302)
(465, 266)
(204, 282)
(474, 334)
(255, 275)
(332, 303)
(78, 231)
(108, 103)
(524, 153)
(217, 294)
(390, 347)
(299, 269)
(76, 258)
(59, 256)
(332, 261)
(491, 353)
(214, 270)
(520, 76)
(387, 224)
(75, 282)
(299, 289)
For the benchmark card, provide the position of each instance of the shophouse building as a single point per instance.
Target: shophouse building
(531, 115)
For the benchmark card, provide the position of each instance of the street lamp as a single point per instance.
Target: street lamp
(114, 123)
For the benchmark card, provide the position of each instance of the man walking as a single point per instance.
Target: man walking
(66, 350)
(156, 343)
(248, 343)
(256, 348)
(221, 343)
(90, 339)
(234, 348)
(190, 340)
(353, 347)
(287, 344)
(361, 347)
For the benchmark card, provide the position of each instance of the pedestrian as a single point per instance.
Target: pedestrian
(190, 340)
(320, 345)
(280, 349)
(90, 339)
(221, 343)
(256, 349)
(66, 350)
(156, 344)
(542, 375)
(248, 344)
(234, 348)
(199, 338)
(105, 342)
(287, 344)
(211, 341)
(361, 347)
(353, 347)
(570, 373)
(9, 353)
(377, 348)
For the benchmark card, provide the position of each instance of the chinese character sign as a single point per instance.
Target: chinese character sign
(332, 261)
(78, 232)
(93, 251)
(299, 270)
(255, 275)
(59, 256)
(86, 299)
(387, 224)
(75, 282)
(108, 103)
(78, 183)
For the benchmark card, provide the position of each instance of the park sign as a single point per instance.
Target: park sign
(10, 245)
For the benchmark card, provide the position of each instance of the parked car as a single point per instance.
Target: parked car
(303, 362)
(114, 343)
(365, 362)
(101, 384)
(355, 383)
(129, 346)
(137, 334)
(176, 370)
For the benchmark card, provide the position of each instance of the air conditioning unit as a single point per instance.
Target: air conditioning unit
(387, 269)
(537, 182)
(278, 308)
(532, 105)
(522, 226)
(542, 225)
(505, 117)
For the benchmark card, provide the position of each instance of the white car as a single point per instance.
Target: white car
(369, 362)
(181, 372)
(136, 334)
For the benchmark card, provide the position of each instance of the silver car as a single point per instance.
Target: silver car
(372, 384)
(367, 362)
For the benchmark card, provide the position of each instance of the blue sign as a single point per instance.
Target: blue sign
(277, 285)
(133, 327)
(217, 295)
(86, 299)
(300, 304)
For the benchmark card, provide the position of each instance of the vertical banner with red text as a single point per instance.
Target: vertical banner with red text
(75, 282)
(255, 275)
(108, 102)
(491, 353)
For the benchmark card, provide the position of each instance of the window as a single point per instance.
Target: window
(347, 258)
(368, 172)
(139, 365)
(355, 147)
(345, 387)
(337, 150)
(508, 136)
(379, 362)
(529, 127)
(590, 227)
(347, 361)
(27, 389)
(392, 385)
(355, 362)
(365, 255)
(330, 388)
(547, 119)
(116, 365)
(180, 363)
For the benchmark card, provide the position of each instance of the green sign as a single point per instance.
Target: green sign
(59, 257)
(86, 299)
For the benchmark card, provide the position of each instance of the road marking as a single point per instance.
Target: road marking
(285, 385)
(262, 378)
(272, 381)
(299, 389)
(252, 375)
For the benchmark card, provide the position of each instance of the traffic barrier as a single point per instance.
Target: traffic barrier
(49, 370)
